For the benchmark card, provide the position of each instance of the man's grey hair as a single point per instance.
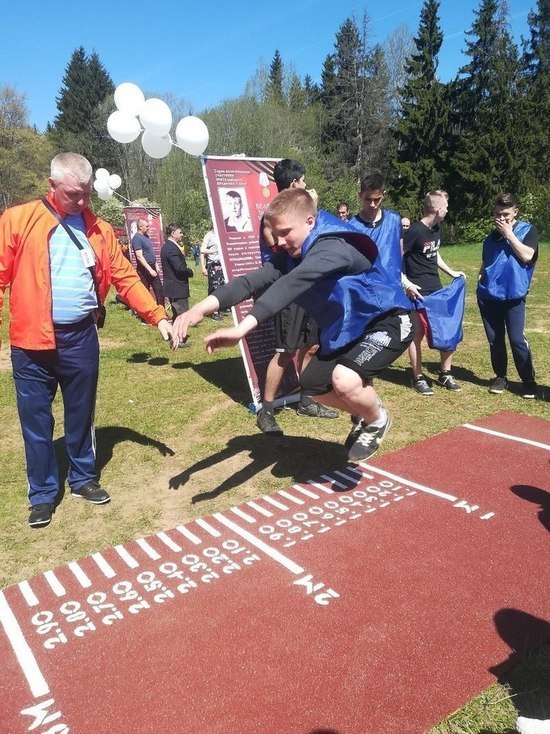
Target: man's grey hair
(71, 164)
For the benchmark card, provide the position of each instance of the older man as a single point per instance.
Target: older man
(59, 261)
(146, 260)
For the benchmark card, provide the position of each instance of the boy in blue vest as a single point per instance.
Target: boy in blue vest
(508, 261)
(331, 269)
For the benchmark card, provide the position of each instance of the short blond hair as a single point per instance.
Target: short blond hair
(428, 205)
(291, 201)
(71, 164)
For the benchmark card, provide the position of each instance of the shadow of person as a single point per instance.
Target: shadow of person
(462, 374)
(226, 374)
(538, 497)
(107, 437)
(292, 457)
(142, 357)
(527, 669)
(396, 375)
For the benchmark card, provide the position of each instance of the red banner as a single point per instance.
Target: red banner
(239, 191)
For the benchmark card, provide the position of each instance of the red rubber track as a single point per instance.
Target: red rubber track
(373, 600)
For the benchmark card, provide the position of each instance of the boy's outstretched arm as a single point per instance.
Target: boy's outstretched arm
(195, 315)
(229, 337)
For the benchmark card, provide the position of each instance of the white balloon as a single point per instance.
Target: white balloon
(105, 194)
(156, 146)
(192, 135)
(129, 98)
(102, 174)
(155, 116)
(114, 181)
(123, 127)
(101, 184)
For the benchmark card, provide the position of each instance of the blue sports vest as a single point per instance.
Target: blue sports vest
(504, 276)
(344, 305)
(387, 238)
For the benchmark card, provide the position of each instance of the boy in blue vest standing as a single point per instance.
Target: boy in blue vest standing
(331, 269)
(508, 261)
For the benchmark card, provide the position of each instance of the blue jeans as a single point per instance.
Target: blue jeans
(73, 366)
(498, 318)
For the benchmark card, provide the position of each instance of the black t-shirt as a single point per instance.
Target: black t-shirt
(420, 247)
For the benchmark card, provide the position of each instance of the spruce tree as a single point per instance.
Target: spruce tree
(535, 103)
(421, 134)
(487, 156)
(81, 122)
(275, 81)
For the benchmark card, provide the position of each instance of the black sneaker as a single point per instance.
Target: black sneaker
(447, 381)
(41, 515)
(357, 425)
(316, 410)
(92, 492)
(529, 390)
(266, 422)
(368, 440)
(216, 317)
(498, 386)
(420, 384)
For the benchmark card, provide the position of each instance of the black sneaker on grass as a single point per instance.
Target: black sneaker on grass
(92, 492)
(529, 390)
(41, 515)
(447, 381)
(316, 410)
(498, 386)
(420, 384)
(266, 422)
(368, 440)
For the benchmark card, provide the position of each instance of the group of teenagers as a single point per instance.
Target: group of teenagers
(342, 283)
(358, 290)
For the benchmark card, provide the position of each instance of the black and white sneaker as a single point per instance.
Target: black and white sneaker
(368, 440)
(41, 515)
(357, 424)
(92, 492)
(316, 410)
(447, 381)
(420, 384)
(498, 386)
(266, 422)
(529, 390)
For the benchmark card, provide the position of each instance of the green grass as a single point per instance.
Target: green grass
(176, 441)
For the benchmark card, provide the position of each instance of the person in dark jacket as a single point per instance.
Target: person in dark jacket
(175, 270)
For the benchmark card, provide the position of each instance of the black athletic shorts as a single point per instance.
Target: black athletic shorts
(383, 341)
(294, 329)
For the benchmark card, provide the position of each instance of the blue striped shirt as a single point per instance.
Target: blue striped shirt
(73, 292)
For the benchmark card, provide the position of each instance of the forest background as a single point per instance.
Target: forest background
(377, 107)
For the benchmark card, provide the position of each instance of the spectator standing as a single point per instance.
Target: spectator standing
(508, 260)
(175, 270)
(147, 261)
(422, 262)
(342, 211)
(211, 266)
(59, 261)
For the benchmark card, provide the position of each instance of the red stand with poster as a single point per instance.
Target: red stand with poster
(239, 191)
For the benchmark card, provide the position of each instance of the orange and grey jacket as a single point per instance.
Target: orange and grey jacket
(25, 232)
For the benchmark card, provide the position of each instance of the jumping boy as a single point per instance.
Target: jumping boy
(330, 268)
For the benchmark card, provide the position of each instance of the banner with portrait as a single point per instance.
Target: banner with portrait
(239, 191)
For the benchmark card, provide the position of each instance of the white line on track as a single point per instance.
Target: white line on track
(167, 540)
(23, 653)
(129, 560)
(261, 510)
(55, 585)
(278, 505)
(507, 436)
(305, 491)
(243, 515)
(28, 594)
(209, 529)
(189, 535)
(104, 567)
(326, 490)
(151, 552)
(274, 554)
(286, 495)
(81, 577)
(421, 487)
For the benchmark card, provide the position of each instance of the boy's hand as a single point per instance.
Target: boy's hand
(223, 338)
(181, 324)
